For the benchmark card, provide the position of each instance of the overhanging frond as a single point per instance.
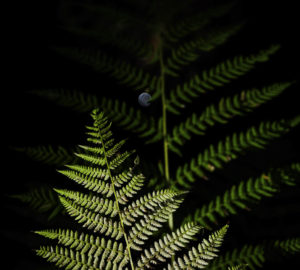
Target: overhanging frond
(190, 51)
(209, 80)
(242, 196)
(124, 72)
(215, 156)
(227, 108)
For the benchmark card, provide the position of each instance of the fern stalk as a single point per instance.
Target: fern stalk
(117, 203)
(164, 123)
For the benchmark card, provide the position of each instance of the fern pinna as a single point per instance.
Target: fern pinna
(126, 225)
(166, 57)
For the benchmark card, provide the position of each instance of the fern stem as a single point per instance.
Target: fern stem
(164, 123)
(117, 204)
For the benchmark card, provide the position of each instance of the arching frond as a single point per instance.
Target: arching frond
(221, 74)
(288, 246)
(42, 199)
(124, 116)
(215, 156)
(238, 267)
(227, 108)
(90, 202)
(147, 203)
(86, 245)
(241, 196)
(49, 155)
(199, 257)
(141, 231)
(194, 23)
(189, 51)
(129, 45)
(73, 259)
(253, 256)
(122, 71)
(167, 246)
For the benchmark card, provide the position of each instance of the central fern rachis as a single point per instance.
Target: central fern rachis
(126, 225)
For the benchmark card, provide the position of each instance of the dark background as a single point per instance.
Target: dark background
(32, 27)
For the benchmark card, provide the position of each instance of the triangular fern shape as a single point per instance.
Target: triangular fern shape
(120, 226)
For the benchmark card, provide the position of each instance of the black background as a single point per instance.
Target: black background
(32, 26)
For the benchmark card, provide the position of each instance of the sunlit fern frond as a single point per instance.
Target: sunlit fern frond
(128, 224)
(198, 256)
(86, 245)
(227, 108)
(42, 199)
(214, 157)
(166, 247)
(242, 196)
(215, 77)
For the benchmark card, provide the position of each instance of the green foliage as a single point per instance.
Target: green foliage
(214, 157)
(243, 195)
(161, 52)
(255, 256)
(222, 74)
(227, 108)
(50, 155)
(42, 199)
(127, 225)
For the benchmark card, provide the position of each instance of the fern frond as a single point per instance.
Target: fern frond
(64, 257)
(49, 155)
(151, 223)
(130, 189)
(129, 45)
(124, 116)
(223, 73)
(42, 199)
(241, 196)
(142, 217)
(229, 149)
(90, 182)
(190, 51)
(166, 246)
(227, 108)
(238, 267)
(92, 220)
(122, 71)
(94, 203)
(253, 256)
(76, 100)
(288, 246)
(89, 245)
(194, 23)
(198, 257)
(146, 204)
